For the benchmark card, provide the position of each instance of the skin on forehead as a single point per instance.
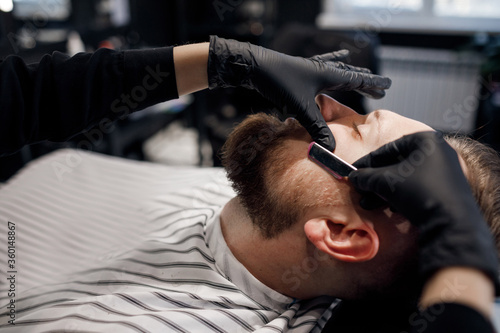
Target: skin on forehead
(374, 132)
(357, 135)
(322, 195)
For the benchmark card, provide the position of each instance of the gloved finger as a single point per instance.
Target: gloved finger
(339, 55)
(338, 58)
(325, 138)
(373, 180)
(315, 124)
(341, 65)
(371, 201)
(350, 80)
(396, 151)
(372, 93)
(386, 155)
(371, 82)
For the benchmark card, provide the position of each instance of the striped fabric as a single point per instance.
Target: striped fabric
(110, 245)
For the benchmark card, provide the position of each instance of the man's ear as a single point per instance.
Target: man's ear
(355, 241)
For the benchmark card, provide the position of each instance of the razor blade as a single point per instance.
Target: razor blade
(336, 166)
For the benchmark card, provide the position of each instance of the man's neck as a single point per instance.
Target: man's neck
(275, 262)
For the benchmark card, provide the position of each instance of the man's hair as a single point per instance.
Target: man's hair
(253, 161)
(483, 175)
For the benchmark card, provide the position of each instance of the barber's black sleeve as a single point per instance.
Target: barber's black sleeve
(397, 316)
(450, 317)
(61, 96)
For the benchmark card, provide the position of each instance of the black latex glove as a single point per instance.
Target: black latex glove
(290, 82)
(421, 177)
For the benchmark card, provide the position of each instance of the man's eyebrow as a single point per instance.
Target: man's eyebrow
(377, 115)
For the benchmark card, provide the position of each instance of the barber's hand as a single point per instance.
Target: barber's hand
(420, 176)
(291, 82)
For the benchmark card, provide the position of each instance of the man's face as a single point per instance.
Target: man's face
(293, 181)
(297, 186)
(357, 135)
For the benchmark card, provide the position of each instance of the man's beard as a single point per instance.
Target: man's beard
(255, 157)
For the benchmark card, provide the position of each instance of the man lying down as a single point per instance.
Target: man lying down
(277, 256)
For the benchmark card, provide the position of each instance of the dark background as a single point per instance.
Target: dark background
(284, 25)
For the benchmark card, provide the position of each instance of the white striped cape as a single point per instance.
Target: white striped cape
(111, 245)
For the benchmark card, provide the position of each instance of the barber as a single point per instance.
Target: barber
(455, 245)
(62, 96)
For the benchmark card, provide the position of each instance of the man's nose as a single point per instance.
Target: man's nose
(332, 109)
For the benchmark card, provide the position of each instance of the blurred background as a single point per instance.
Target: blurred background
(442, 55)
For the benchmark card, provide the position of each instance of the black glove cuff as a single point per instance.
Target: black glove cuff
(229, 64)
